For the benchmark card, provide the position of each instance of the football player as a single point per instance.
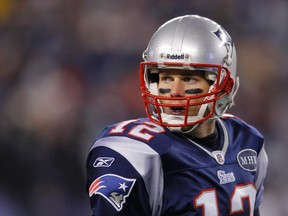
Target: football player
(187, 157)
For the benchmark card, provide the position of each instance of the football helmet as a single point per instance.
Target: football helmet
(191, 43)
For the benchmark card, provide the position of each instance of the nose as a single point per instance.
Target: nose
(177, 89)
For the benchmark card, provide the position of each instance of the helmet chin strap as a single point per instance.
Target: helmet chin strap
(180, 119)
(180, 129)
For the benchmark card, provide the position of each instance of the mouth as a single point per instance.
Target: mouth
(177, 110)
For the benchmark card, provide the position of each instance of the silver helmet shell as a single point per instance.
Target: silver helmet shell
(191, 42)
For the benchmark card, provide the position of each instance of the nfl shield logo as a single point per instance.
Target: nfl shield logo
(219, 157)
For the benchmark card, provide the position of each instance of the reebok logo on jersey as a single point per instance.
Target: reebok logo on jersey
(225, 177)
(114, 188)
(103, 162)
(247, 159)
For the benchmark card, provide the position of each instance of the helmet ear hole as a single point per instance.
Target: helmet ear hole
(153, 75)
(211, 76)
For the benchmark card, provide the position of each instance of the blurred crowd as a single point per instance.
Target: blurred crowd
(69, 68)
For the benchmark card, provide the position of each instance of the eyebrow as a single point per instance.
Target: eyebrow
(184, 72)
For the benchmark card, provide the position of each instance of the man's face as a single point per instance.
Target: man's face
(182, 83)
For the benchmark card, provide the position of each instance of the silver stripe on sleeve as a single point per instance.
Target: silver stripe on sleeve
(145, 160)
(262, 163)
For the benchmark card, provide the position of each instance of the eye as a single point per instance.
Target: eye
(166, 79)
(190, 80)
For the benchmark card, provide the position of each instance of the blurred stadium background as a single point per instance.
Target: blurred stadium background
(69, 68)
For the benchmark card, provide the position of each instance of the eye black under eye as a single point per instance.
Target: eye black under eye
(194, 91)
(188, 91)
(164, 90)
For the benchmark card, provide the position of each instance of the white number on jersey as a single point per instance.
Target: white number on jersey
(207, 200)
(144, 131)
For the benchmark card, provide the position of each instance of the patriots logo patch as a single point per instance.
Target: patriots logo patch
(114, 188)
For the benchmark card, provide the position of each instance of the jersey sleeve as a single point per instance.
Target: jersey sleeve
(262, 164)
(119, 175)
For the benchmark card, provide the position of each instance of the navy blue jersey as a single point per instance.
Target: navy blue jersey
(137, 167)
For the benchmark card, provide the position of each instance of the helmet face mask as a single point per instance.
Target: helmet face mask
(203, 103)
(189, 43)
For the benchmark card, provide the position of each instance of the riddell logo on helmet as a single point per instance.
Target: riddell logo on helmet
(175, 56)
